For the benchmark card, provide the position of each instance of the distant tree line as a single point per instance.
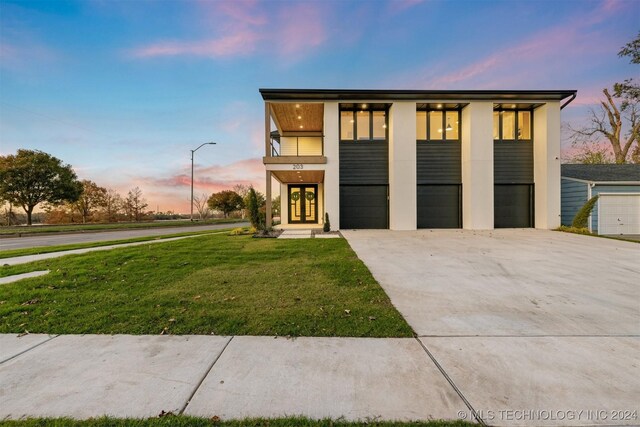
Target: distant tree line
(32, 178)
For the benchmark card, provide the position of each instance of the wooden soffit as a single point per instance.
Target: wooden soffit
(289, 116)
(296, 177)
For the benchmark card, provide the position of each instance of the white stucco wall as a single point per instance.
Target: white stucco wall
(332, 167)
(477, 166)
(402, 166)
(546, 165)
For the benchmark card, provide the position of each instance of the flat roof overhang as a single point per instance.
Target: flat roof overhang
(405, 95)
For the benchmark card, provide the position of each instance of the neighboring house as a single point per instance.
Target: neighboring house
(618, 189)
(408, 159)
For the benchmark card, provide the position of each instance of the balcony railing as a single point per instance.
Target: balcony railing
(297, 146)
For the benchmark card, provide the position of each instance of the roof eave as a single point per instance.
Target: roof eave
(377, 94)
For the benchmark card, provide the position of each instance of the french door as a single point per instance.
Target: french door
(303, 204)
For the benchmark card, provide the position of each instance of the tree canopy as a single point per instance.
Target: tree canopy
(31, 177)
(226, 202)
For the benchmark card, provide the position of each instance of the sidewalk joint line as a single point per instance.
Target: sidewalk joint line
(206, 374)
(455, 387)
(29, 349)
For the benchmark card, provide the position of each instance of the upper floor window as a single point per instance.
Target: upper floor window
(363, 125)
(438, 125)
(512, 125)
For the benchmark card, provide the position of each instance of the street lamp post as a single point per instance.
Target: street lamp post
(193, 151)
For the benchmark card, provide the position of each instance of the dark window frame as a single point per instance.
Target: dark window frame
(444, 112)
(500, 112)
(354, 112)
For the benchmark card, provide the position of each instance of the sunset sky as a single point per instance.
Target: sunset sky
(122, 90)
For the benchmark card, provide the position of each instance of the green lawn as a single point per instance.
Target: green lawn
(221, 284)
(61, 248)
(182, 421)
(15, 230)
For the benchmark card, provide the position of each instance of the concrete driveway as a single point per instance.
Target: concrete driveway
(532, 327)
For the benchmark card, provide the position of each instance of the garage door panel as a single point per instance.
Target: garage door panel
(619, 214)
(439, 206)
(363, 206)
(513, 206)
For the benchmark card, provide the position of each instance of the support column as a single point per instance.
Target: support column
(268, 201)
(267, 129)
(477, 166)
(546, 165)
(402, 166)
(332, 170)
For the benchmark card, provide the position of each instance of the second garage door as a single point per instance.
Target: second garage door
(513, 205)
(619, 214)
(364, 206)
(439, 206)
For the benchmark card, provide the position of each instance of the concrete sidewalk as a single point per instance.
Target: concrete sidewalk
(84, 376)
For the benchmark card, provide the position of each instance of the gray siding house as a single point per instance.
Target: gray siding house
(618, 188)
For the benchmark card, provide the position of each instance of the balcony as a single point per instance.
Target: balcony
(298, 135)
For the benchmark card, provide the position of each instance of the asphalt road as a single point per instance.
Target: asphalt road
(7, 243)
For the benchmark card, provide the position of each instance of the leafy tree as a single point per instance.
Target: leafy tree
(275, 206)
(592, 154)
(135, 204)
(31, 177)
(226, 202)
(92, 196)
(609, 120)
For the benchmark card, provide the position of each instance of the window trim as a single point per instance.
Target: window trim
(354, 112)
(500, 112)
(444, 112)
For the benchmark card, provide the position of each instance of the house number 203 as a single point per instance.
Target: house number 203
(297, 166)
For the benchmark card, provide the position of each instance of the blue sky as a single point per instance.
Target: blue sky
(123, 89)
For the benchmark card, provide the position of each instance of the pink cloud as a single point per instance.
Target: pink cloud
(398, 6)
(300, 28)
(240, 43)
(291, 30)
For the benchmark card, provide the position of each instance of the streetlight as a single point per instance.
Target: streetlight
(193, 151)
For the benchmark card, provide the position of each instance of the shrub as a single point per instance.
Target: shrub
(237, 231)
(582, 217)
(253, 208)
(327, 225)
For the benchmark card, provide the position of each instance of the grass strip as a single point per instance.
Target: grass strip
(213, 284)
(14, 230)
(61, 248)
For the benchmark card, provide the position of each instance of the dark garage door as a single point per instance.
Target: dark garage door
(513, 205)
(439, 206)
(363, 206)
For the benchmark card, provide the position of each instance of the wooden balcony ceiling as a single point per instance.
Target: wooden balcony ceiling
(285, 115)
(304, 176)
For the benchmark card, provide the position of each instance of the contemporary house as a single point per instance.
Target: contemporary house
(617, 210)
(408, 159)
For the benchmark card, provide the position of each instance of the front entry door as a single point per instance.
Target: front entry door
(303, 204)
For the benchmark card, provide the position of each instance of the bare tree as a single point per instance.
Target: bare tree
(113, 205)
(135, 204)
(202, 205)
(608, 120)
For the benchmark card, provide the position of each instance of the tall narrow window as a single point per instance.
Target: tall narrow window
(362, 125)
(508, 125)
(524, 124)
(421, 125)
(435, 125)
(496, 125)
(379, 125)
(451, 125)
(346, 125)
